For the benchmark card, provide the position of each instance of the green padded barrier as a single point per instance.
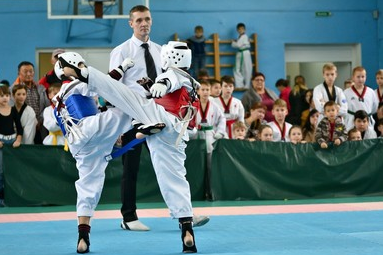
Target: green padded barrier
(45, 175)
(243, 170)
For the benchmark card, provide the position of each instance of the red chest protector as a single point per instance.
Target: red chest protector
(176, 103)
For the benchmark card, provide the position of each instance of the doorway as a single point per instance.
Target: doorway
(308, 60)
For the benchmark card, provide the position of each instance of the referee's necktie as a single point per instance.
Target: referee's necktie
(150, 67)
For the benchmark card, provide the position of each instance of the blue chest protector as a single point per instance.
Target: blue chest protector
(78, 107)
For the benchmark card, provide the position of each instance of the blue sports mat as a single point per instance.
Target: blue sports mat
(335, 233)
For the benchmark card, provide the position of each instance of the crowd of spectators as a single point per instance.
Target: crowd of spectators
(326, 114)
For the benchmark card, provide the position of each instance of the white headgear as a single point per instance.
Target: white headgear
(58, 70)
(175, 54)
(71, 58)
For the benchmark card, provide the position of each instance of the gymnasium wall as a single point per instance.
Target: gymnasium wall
(25, 28)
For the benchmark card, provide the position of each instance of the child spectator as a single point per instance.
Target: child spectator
(243, 64)
(279, 125)
(5, 82)
(26, 113)
(310, 126)
(347, 84)
(377, 116)
(379, 82)
(231, 106)
(197, 45)
(265, 133)
(50, 77)
(55, 136)
(331, 127)
(211, 124)
(360, 97)
(255, 119)
(361, 123)
(296, 135)
(327, 91)
(210, 120)
(354, 135)
(380, 128)
(10, 131)
(239, 130)
(202, 74)
(215, 88)
(284, 91)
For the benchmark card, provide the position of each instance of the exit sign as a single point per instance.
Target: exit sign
(322, 14)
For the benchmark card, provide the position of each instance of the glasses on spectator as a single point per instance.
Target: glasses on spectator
(259, 79)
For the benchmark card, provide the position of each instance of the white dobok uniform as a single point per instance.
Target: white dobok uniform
(55, 136)
(211, 123)
(280, 134)
(370, 133)
(28, 122)
(320, 97)
(369, 103)
(378, 95)
(100, 132)
(243, 63)
(233, 112)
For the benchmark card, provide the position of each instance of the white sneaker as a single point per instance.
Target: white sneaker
(135, 225)
(200, 220)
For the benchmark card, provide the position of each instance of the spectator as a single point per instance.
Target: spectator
(265, 133)
(309, 100)
(202, 74)
(197, 45)
(259, 93)
(280, 127)
(231, 106)
(27, 114)
(297, 100)
(360, 97)
(10, 131)
(296, 135)
(379, 82)
(380, 128)
(255, 119)
(211, 124)
(5, 82)
(215, 90)
(36, 97)
(378, 116)
(310, 126)
(327, 91)
(50, 77)
(331, 127)
(243, 64)
(284, 89)
(354, 135)
(55, 136)
(239, 130)
(361, 123)
(347, 84)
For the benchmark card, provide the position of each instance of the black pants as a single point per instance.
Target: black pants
(131, 166)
